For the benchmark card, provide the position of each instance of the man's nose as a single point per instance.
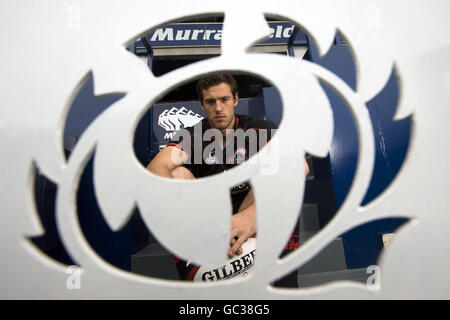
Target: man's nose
(219, 106)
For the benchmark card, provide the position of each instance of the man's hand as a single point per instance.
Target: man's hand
(166, 161)
(243, 226)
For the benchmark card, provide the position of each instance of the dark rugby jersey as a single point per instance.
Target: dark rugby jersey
(205, 157)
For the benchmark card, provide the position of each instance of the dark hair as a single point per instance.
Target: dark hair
(214, 80)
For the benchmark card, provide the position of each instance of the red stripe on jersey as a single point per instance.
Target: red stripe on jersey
(172, 144)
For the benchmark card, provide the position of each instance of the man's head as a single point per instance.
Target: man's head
(218, 94)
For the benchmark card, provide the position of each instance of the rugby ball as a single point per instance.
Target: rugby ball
(238, 266)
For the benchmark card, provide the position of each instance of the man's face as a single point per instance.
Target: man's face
(218, 103)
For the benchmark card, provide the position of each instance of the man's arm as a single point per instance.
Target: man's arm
(166, 161)
(243, 226)
(243, 223)
(306, 167)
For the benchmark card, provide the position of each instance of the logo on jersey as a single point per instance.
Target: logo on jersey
(239, 156)
(211, 159)
(240, 188)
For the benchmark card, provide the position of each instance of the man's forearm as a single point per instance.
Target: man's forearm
(249, 215)
(166, 161)
(161, 171)
(243, 226)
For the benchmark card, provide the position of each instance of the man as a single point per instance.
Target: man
(218, 95)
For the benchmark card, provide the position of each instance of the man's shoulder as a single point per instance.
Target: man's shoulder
(248, 122)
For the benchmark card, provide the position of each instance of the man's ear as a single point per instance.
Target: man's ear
(236, 100)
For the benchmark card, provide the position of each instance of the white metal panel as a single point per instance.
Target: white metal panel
(72, 38)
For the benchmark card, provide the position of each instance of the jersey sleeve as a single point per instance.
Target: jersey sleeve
(183, 140)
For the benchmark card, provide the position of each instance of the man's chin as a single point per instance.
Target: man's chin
(221, 125)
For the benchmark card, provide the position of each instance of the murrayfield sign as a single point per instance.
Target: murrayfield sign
(209, 34)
